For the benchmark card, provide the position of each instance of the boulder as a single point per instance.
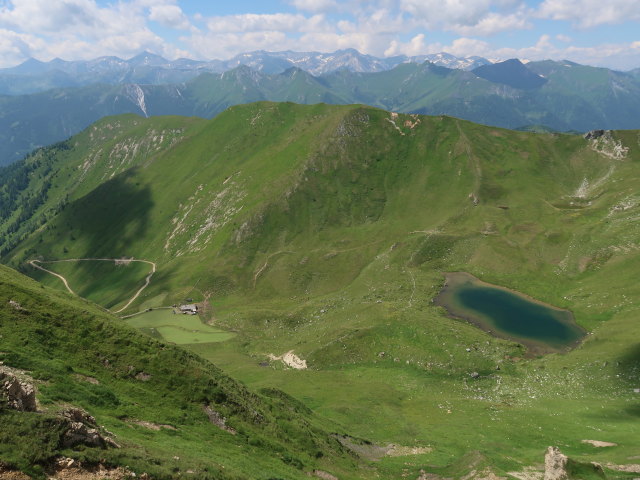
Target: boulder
(593, 134)
(555, 465)
(83, 430)
(80, 434)
(218, 420)
(78, 415)
(19, 395)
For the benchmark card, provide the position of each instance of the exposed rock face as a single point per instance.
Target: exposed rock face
(143, 377)
(218, 420)
(78, 415)
(19, 395)
(593, 134)
(15, 305)
(78, 433)
(70, 469)
(324, 475)
(555, 465)
(83, 430)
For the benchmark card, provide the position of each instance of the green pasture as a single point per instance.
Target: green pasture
(178, 328)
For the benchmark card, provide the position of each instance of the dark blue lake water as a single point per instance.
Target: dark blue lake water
(508, 314)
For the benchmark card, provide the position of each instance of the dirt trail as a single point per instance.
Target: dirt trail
(34, 263)
(147, 281)
(266, 264)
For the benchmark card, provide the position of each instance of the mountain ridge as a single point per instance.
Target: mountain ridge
(33, 75)
(560, 96)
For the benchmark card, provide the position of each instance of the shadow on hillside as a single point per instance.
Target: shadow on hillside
(110, 220)
(629, 372)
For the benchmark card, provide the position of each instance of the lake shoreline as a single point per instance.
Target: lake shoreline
(448, 299)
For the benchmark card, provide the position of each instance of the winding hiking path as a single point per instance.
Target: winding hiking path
(35, 264)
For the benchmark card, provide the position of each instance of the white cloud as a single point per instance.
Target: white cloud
(446, 12)
(466, 47)
(281, 22)
(170, 16)
(314, 5)
(415, 46)
(494, 23)
(16, 47)
(209, 45)
(590, 13)
(81, 29)
(467, 17)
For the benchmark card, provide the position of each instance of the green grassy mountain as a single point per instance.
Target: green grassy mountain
(562, 96)
(319, 234)
(154, 400)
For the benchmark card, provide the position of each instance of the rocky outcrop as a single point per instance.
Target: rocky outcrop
(70, 469)
(82, 430)
(19, 395)
(64, 468)
(593, 134)
(324, 475)
(555, 465)
(16, 305)
(218, 420)
(78, 415)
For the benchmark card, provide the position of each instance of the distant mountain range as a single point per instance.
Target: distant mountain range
(561, 96)
(147, 68)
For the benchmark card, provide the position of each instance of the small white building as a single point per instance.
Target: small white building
(191, 309)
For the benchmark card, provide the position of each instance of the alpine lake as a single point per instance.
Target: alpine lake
(507, 314)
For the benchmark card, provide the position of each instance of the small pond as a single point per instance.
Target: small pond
(507, 314)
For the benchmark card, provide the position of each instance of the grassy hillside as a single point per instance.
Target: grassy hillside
(150, 395)
(325, 231)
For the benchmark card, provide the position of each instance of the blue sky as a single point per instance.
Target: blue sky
(586, 31)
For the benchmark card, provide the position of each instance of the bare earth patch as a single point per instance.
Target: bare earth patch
(598, 443)
(152, 426)
(632, 468)
(324, 475)
(400, 451)
(486, 474)
(290, 359)
(371, 451)
(70, 469)
(528, 473)
(6, 474)
(85, 378)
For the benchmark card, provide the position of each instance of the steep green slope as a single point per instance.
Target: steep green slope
(149, 395)
(324, 231)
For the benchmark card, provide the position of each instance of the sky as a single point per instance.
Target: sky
(593, 32)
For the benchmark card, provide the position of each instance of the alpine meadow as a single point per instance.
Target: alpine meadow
(252, 296)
